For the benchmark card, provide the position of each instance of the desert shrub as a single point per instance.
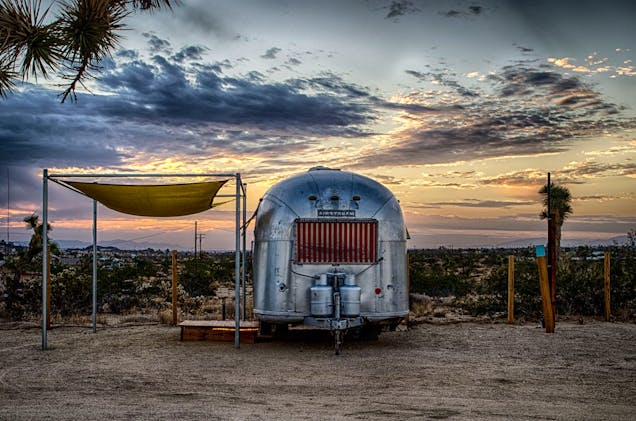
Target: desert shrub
(71, 291)
(481, 280)
(491, 292)
(200, 275)
(441, 273)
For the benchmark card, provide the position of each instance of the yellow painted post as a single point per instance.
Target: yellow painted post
(546, 302)
(511, 289)
(174, 288)
(606, 273)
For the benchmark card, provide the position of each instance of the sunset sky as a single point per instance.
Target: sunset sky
(459, 107)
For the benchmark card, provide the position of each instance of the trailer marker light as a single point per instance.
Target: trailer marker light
(378, 291)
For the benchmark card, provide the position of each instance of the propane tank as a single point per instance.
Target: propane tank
(322, 298)
(350, 297)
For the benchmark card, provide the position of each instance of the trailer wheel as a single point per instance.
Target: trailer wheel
(265, 329)
(280, 330)
(370, 333)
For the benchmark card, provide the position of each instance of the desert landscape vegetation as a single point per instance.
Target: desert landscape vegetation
(456, 358)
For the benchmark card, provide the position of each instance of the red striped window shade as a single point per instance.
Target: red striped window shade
(320, 241)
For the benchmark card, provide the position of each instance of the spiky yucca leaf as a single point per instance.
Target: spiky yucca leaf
(24, 36)
(88, 29)
(83, 33)
(7, 75)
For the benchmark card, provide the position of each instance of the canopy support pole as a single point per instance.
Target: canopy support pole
(94, 266)
(244, 251)
(237, 266)
(45, 247)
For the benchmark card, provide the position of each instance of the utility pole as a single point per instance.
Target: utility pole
(197, 237)
(200, 236)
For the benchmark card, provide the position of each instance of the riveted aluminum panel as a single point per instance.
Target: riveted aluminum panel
(313, 222)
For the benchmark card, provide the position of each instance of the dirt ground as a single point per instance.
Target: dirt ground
(464, 371)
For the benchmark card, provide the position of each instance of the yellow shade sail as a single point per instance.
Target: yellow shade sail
(153, 200)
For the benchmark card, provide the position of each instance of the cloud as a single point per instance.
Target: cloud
(271, 53)
(444, 79)
(605, 197)
(596, 65)
(571, 174)
(471, 10)
(294, 62)
(475, 203)
(523, 49)
(173, 106)
(129, 54)
(193, 52)
(157, 44)
(200, 16)
(523, 109)
(399, 8)
(576, 171)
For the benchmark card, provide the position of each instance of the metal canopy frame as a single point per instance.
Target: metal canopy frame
(239, 264)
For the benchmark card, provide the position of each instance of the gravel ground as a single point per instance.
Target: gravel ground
(464, 371)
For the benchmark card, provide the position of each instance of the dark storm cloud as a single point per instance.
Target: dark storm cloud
(399, 8)
(36, 127)
(157, 44)
(193, 52)
(522, 109)
(271, 53)
(166, 92)
(453, 13)
(167, 105)
(129, 54)
(21, 182)
(522, 80)
(464, 11)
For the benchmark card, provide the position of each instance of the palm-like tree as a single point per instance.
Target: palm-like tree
(35, 245)
(560, 208)
(71, 44)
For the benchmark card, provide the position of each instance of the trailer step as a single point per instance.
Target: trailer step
(218, 331)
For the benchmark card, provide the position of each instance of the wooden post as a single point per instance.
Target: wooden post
(511, 289)
(606, 273)
(552, 259)
(546, 302)
(48, 288)
(174, 288)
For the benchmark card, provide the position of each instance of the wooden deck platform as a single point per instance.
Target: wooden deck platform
(218, 330)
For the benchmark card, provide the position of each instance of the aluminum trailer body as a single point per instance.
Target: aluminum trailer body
(330, 252)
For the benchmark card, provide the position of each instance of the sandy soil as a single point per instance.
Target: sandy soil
(463, 371)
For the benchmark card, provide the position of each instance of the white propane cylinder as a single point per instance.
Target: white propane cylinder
(350, 297)
(322, 298)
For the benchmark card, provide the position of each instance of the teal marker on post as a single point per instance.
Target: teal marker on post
(540, 251)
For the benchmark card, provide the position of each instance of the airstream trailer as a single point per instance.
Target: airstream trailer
(330, 252)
